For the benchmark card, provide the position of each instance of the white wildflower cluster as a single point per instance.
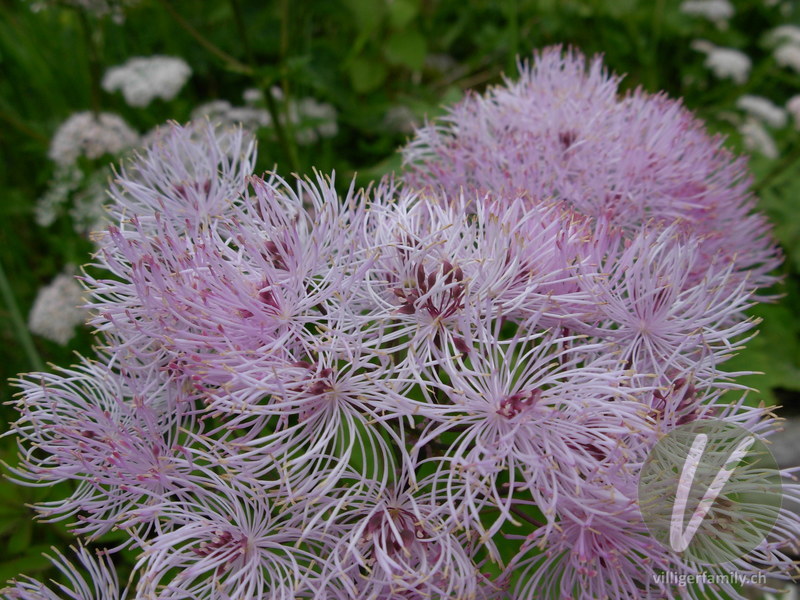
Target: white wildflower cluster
(718, 11)
(222, 112)
(762, 109)
(88, 211)
(725, 63)
(793, 106)
(760, 113)
(56, 311)
(72, 190)
(786, 40)
(757, 138)
(66, 179)
(310, 119)
(98, 8)
(401, 119)
(92, 136)
(142, 79)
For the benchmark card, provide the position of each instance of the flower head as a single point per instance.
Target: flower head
(57, 309)
(92, 136)
(143, 79)
(562, 130)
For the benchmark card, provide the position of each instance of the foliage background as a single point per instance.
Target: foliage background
(364, 57)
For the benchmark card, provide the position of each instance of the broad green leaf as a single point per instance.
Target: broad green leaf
(407, 48)
(402, 12)
(30, 563)
(366, 74)
(368, 14)
(21, 538)
(775, 351)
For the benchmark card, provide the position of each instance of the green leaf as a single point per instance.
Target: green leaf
(402, 12)
(775, 351)
(406, 48)
(21, 538)
(782, 204)
(366, 74)
(368, 15)
(31, 563)
(390, 164)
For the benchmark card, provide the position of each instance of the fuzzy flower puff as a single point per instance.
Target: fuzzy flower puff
(92, 136)
(224, 298)
(115, 436)
(143, 79)
(663, 307)
(542, 409)
(394, 543)
(56, 311)
(433, 267)
(101, 584)
(339, 389)
(229, 542)
(251, 276)
(618, 162)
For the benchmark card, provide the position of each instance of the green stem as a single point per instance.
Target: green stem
(513, 34)
(284, 52)
(284, 140)
(788, 161)
(658, 18)
(238, 17)
(20, 328)
(230, 61)
(23, 128)
(93, 57)
(525, 516)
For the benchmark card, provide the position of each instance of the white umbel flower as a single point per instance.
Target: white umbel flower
(222, 112)
(316, 119)
(757, 138)
(762, 109)
(785, 33)
(728, 63)
(56, 312)
(66, 179)
(143, 79)
(99, 8)
(793, 106)
(85, 134)
(713, 10)
(310, 119)
(788, 55)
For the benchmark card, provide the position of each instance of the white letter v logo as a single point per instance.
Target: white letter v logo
(679, 539)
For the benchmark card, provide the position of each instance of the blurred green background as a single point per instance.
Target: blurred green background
(383, 66)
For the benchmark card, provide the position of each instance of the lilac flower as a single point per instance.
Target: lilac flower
(228, 542)
(563, 131)
(308, 395)
(323, 411)
(394, 544)
(665, 307)
(234, 295)
(541, 408)
(115, 436)
(96, 579)
(433, 266)
(602, 550)
(193, 173)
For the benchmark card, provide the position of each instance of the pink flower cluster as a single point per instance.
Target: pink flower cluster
(441, 386)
